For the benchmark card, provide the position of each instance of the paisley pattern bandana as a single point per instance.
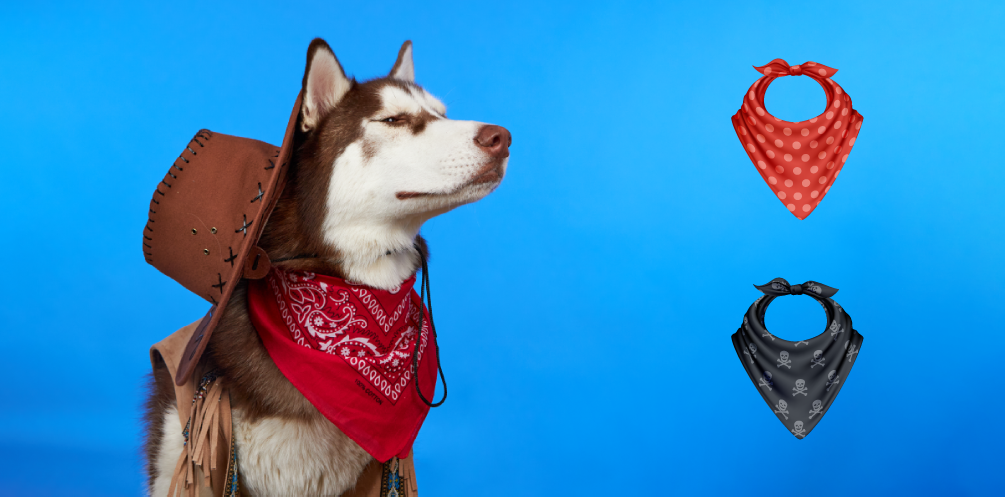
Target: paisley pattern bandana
(798, 380)
(799, 161)
(348, 349)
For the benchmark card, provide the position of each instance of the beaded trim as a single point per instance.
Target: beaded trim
(200, 393)
(391, 483)
(233, 485)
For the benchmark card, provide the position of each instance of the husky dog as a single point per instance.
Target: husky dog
(371, 162)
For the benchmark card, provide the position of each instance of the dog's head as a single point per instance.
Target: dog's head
(374, 160)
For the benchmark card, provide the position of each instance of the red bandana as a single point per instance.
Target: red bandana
(799, 161)
(348, 349)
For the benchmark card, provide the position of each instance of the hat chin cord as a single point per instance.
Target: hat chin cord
(425, 294)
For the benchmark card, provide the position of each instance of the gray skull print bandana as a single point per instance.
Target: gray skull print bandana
(798, 380)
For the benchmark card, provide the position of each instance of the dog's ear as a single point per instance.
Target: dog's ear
(324, 83)
(403, 68)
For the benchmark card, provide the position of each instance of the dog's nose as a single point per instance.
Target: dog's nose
(494, 140)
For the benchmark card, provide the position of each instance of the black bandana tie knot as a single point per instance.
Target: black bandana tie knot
(779, 286)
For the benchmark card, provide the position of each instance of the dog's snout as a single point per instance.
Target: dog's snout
(494, 140)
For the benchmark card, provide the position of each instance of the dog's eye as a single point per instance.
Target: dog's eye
(393, 119)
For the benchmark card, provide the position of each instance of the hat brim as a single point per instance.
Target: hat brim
(207, 215)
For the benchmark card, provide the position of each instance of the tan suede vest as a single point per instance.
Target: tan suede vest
(205, 415)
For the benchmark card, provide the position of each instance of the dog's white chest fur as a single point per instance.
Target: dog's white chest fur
(278, 457)
(284, 457)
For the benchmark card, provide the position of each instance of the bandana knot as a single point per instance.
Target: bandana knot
(779, 286)
(778, 68)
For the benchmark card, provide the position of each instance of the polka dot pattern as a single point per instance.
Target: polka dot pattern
(827, 138)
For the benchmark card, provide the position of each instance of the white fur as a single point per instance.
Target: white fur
(365, 219)
(278, 457)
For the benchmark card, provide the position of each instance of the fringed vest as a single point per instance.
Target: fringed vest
(209, 459)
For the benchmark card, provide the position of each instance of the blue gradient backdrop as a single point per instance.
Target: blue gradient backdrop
(585, 307)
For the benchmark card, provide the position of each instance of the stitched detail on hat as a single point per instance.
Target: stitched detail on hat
(246, 225)
(219, 277)
(205, 135)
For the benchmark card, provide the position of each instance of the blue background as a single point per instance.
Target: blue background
(585, 307)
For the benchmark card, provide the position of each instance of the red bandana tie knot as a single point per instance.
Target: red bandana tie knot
(778, 68)
(798, 161)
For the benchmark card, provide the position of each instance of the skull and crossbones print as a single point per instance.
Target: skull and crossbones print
(765, 380)
(783, 360)
(851, 351)
(809, 375)
(797, 429)
(818, 359)
(782, 408)
(800, 388)
(836, 329)
(832, 379)
(817, 408)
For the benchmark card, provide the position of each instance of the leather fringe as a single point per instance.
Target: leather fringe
(209, 413)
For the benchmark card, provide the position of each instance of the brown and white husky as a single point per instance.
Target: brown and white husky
(372, 161)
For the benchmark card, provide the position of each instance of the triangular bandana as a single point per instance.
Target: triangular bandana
(798, 161)
(349, 349)
(798, 380)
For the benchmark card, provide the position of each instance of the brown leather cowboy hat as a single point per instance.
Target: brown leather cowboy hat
(206, 216)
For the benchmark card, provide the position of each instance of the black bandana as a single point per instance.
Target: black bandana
(798, 380)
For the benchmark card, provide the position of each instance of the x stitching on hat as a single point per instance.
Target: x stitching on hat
(245, 227)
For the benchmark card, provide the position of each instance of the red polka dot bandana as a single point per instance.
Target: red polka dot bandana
(799, 161)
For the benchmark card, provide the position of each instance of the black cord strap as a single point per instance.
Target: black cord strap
(425, 294)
